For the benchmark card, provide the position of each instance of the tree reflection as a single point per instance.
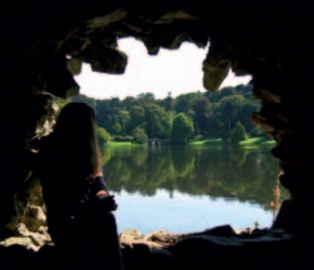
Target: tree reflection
(226, 172)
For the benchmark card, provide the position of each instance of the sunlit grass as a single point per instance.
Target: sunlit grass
(114, 144)
(256, 142)
(214, 141)
(249, 143)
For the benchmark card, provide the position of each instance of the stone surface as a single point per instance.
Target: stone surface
(263, 249)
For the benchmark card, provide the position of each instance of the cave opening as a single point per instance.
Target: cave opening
(114, 90)
(261, 39)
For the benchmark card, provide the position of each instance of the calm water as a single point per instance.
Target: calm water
(185, 189)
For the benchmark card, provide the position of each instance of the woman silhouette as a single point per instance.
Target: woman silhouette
(79, 206)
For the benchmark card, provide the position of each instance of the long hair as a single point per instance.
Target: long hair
(75, 139)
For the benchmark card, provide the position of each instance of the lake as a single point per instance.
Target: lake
(192, 188)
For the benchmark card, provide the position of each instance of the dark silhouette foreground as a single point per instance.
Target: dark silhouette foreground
(79, 206)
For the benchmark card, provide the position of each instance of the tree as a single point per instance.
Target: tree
(202, 112)
(129, 102)
(153, 120)
(139, 136)
(103, 113)
(227, 112)
(168, 103)
(103, 138)
(146, 97)
(122, 117)
(166, 121)
(182, 129)
(184, 103)
(137, 117)
(237, 134)
(85, 99)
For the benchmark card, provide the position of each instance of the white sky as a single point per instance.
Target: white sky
(176, 71)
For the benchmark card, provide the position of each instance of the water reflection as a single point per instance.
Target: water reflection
(193, 185)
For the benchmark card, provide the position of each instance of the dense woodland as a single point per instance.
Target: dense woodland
(225, 114)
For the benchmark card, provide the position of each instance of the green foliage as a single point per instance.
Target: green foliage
(214, 115)
(61, 102)
(182, 129)
(237, 154)
(183, 164)
(103, 138)
(116, 128)
(105, 155)
(137, 117)
(184, 103)
(202, 112)
(121, 138)
(237, 134)
(197, 169)
(139, 136)
(85, 99)
(166, 122)
(168, 103)
(155, 127)
(228, 111)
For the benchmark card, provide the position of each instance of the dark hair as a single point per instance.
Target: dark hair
(75, 138)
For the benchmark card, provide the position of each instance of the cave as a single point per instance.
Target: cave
(44, 44)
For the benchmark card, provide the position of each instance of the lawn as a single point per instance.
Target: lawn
(249, 143)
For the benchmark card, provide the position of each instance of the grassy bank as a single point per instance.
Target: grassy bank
(215, 142)
(113, 144)
(257, 142)
(249, 143)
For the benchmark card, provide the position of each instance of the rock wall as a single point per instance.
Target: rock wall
(270, 40)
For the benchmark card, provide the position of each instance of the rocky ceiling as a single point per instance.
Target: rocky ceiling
(43, 44)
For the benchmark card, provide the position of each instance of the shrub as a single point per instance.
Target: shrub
(238, 133)
(182, 129)
(139, 136)
(103, 138)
